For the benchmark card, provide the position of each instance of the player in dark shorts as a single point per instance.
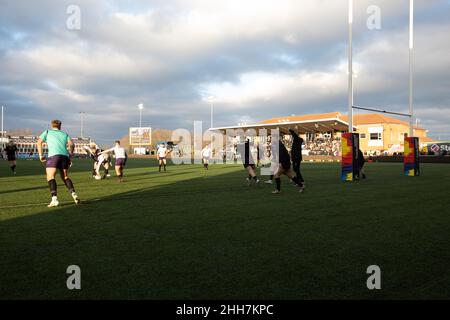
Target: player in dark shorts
(248, 162)
(361, 162)
(11, 155)
(285, 168)
(60, 150)
(121, 159)
(296, 155)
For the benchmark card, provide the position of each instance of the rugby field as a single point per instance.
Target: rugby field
(192, 234)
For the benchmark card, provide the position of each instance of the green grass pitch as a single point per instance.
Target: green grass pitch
(191, 234)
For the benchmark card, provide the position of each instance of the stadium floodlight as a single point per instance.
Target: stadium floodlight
(3, 133)
(211, 99)
(140, 107)
(82, 124)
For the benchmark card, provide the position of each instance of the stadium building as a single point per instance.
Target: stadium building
(379, 134)
(28, 149)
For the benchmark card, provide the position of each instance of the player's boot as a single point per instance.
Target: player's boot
(75, 197)
(276, 191)
(269, 182)
(54, 202)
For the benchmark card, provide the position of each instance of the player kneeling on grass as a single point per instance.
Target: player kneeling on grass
(60, 150)
(285, 168)
(121, 159)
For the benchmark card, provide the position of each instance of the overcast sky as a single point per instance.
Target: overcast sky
(259, 58)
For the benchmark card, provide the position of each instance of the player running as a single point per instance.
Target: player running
(12, 155)
(162, 153)
(60, 150)
(285, 168)
(206, 155)
(121, 159)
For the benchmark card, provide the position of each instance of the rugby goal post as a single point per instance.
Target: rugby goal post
(350, 140)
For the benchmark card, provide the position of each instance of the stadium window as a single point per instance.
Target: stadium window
(363, 135)
(375, 136)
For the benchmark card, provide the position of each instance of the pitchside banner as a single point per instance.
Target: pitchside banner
(140, 136)
(350, 146)
(411, 157)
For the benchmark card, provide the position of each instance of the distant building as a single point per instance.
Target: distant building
(379, 134)
(27, 145)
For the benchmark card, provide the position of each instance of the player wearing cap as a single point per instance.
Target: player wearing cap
(60, 150)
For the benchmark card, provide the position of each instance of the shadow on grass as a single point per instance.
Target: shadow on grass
(212, 237)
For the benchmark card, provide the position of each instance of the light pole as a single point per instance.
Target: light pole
(140, 107)
(210, 99)
(82, 124)
(3, 133)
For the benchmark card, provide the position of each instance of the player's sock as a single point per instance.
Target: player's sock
(278, 182)
(13, 168)
(207, 166)
(69, 185)
(164, 167)
(106, 172)
(255, 178)
(53, 187)
(296, 181)
(159, 168)
(271, 177)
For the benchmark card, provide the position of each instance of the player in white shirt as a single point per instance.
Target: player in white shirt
(121, 159)
(206, 155)
(100, 159)
(161, 154)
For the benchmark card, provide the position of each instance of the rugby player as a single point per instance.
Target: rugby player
(206, 155)
(285, 168)
(361, 162)
(162, 153)
(121, 159)
(60, 150)
(11, 154)
(249, 163)
(100, 159)
(296, 155)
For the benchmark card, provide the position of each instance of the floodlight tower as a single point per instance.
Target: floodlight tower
(140, 107)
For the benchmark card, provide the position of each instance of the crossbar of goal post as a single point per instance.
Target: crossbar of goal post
(350, 140)
(382, 111)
